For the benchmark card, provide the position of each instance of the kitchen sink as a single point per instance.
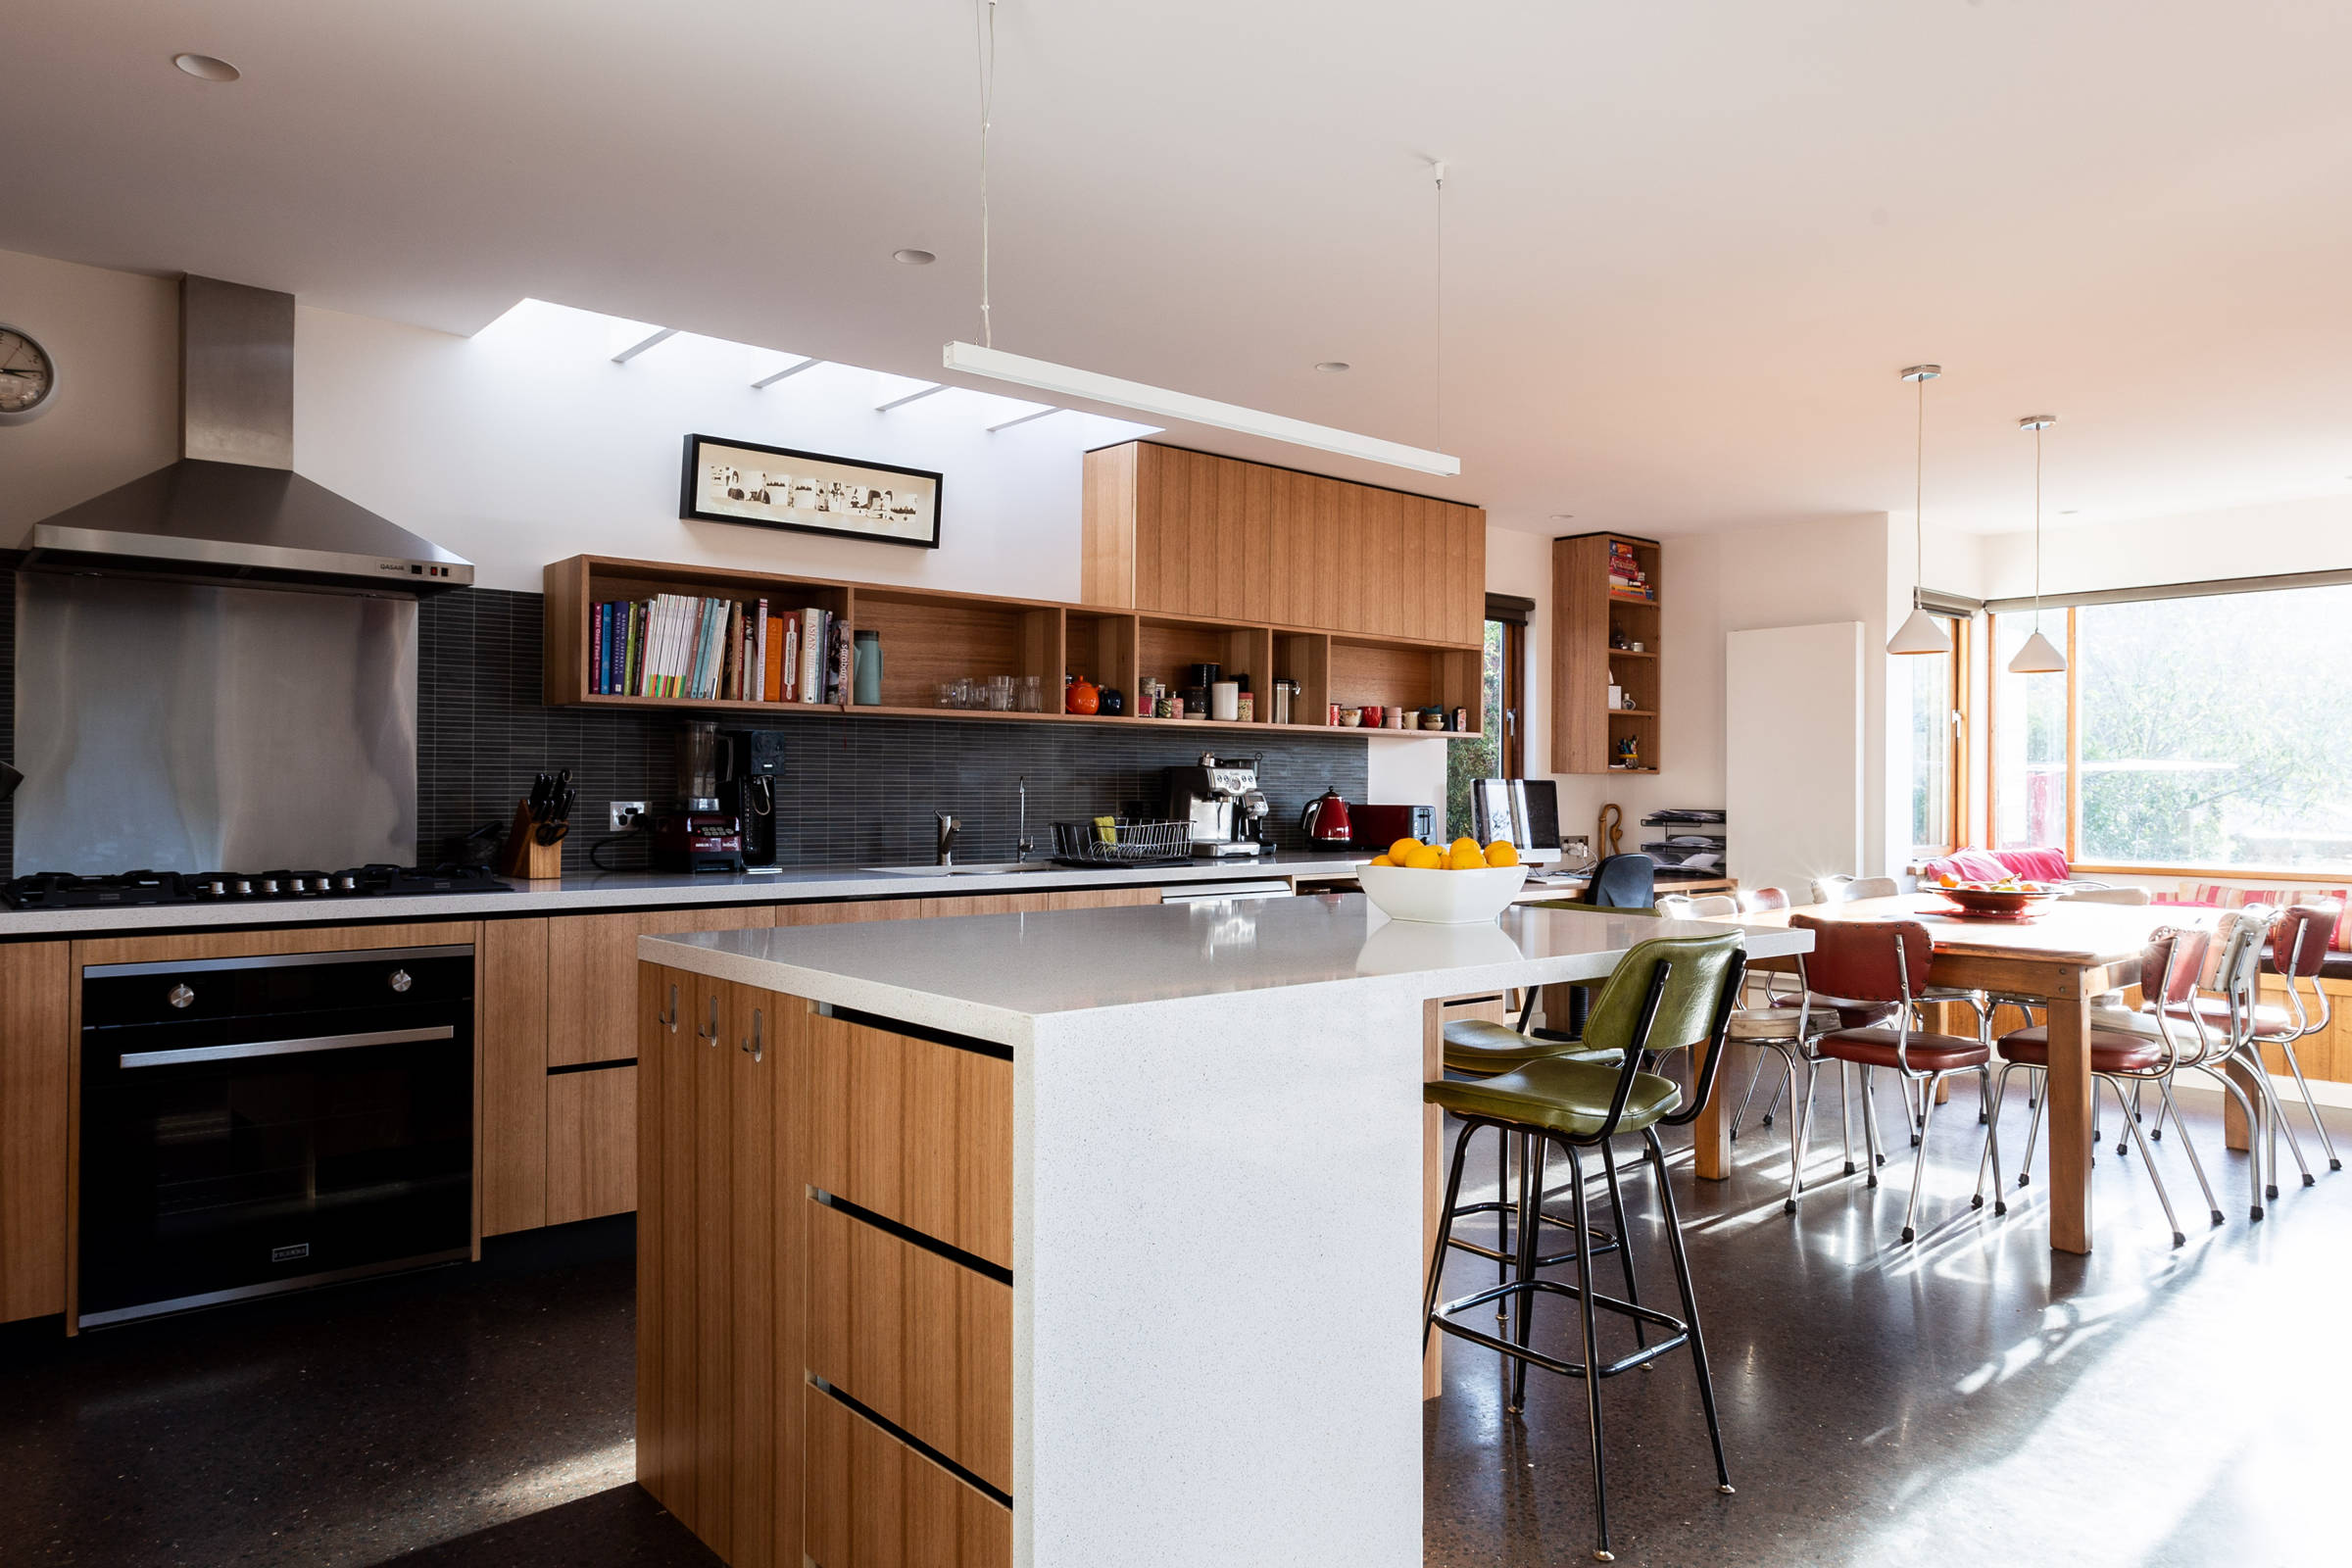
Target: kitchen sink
(997, 868)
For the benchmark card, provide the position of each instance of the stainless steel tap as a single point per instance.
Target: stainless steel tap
(946, 838)
(1023, 844)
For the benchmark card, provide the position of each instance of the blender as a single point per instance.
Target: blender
(697, 834)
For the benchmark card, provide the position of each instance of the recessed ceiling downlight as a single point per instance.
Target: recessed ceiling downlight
(911, 257)
(1331, 366)
(207, 68)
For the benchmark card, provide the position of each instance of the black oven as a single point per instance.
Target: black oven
(257, 1125)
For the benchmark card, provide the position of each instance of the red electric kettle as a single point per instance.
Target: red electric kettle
(1325, 820)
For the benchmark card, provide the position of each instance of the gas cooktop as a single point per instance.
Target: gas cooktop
(63, 890)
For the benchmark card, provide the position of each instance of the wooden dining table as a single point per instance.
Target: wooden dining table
(2059, 960)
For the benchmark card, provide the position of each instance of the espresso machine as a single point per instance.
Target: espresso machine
(697, 833)
(749, 763)
(1220, 797)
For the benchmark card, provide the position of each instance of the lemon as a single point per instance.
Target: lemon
(1398, 850)
(1502, 853)
(1382, 860)
(1465, 856)
(1425, 857)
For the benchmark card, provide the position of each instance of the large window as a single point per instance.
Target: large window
(1938, 715)
(2210, 733)
(1499, 752)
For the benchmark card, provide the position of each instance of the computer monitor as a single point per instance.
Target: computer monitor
(1525, 812)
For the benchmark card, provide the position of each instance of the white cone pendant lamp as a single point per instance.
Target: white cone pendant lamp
(2040, 656)
(1922, 633)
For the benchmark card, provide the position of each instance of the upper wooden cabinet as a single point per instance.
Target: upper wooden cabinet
(1599, 611)
(1185, 533)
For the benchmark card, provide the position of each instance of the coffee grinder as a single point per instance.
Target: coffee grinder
(749, 763)
(697, 834)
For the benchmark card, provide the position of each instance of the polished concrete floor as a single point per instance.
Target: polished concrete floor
(1971, 1399)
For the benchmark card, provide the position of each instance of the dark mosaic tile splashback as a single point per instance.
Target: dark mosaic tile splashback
(855, 791)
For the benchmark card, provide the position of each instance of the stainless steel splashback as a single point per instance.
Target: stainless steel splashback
(188, 728)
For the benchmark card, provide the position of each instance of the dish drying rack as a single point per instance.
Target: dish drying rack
(1118, 842)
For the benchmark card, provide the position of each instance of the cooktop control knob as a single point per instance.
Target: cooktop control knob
(400, 980)
(179, 996)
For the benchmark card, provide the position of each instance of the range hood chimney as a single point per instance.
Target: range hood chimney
(232, 508)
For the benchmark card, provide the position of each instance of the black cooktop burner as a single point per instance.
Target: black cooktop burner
(62, 890)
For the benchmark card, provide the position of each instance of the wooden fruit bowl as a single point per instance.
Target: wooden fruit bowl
(2000, 903)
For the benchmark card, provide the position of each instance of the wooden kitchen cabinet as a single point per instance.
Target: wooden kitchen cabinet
(789, 1349)
(510, 1038)
(591, 1142)
(1188, 533)
(592, 967)
(1585, 729)
(37, 1074)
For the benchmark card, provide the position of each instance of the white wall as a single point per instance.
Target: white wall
(1801, 573)
(116, 338)
(2286, 536)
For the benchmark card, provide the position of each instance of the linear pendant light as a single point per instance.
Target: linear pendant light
(985, 359)
(2040, 656)
(1920, 634)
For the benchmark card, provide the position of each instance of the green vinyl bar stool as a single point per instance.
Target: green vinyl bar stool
(1666, 994)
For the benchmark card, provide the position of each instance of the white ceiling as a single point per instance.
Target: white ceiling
(1686, 246)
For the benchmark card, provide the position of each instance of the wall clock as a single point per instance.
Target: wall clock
(28, 376)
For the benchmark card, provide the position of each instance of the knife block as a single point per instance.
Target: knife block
(524, 855)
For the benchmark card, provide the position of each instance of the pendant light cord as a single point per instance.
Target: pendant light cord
(2037, 529)
(1438, 415)
(1919, 493)
(984, 24)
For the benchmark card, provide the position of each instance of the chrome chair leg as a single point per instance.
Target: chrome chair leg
(1845, 1112)
(2034, 1083)
(2326, 1144)
(1800, 1134)
(2163, 1197)
(1749, 1098)
(1919, 1161)
(1503, 1215)
(2275, 1116)
(1993, 1146)
(2246, 1107)
(1870, 1127)
(2131, 1122)
(1589, 1332)
(2163, 1090)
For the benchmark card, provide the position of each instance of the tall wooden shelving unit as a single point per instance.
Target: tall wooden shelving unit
(1585, 729)
(930, 636)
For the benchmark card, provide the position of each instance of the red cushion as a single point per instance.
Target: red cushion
(1975, 865)
(1874, 1048)
(2040, 865)
(2111, 1050)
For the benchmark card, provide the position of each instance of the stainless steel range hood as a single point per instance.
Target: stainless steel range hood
(232, 508)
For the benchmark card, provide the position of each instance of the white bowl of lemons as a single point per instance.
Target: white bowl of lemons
(1462, 882)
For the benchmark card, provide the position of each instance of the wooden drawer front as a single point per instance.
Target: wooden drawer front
(919, 1338)
(873, 1502)
(916, 1131)
(592, 974)
(591, 1144)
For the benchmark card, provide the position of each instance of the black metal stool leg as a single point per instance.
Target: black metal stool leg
(1530, 1223)
(1503, 1215)
(1591, 1341)
(1625, 1247)
(1682, 1280)
(1436, 1261)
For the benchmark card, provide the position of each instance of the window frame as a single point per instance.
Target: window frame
(2074, 769)
(1958, 626)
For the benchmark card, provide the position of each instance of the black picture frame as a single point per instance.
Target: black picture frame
(698, 503)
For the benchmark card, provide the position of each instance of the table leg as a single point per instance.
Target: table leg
(1433, 1176)
(1711, 1134)
(2234, 1131)
(2070, 1105)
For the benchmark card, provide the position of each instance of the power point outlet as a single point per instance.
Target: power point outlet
(623, 814)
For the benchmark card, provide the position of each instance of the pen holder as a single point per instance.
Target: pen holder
(524, 855)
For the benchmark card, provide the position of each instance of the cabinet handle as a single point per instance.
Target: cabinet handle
(710, 1036)
(669, 1020)
(756, 1047)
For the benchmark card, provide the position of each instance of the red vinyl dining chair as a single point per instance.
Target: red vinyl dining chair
(1880, 963)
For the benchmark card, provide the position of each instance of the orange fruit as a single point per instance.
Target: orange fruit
(1465, 856)
(1502, 852)
(1400, 848)
(1425, 857)
(1382, 860)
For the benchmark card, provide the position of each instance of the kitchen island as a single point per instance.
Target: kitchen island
(1079, 1237)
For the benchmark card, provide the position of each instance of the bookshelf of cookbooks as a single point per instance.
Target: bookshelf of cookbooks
(653, 634)
(1606, 652)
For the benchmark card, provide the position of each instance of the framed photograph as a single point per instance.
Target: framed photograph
(776, 487)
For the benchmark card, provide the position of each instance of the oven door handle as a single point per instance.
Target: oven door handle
(245, 1049)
